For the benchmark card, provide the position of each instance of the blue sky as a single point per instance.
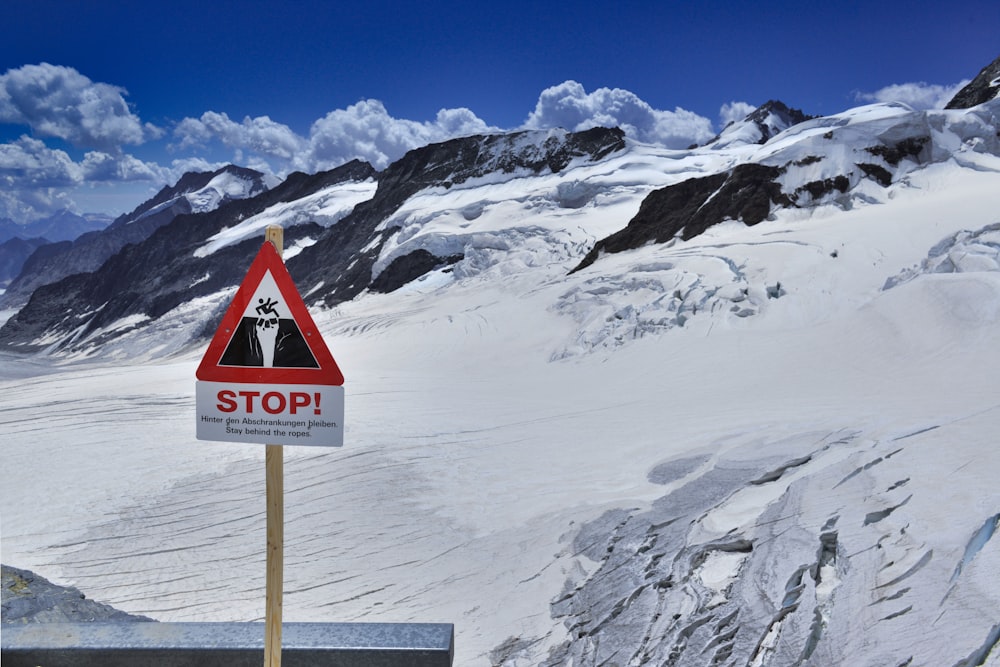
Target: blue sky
(102, 103)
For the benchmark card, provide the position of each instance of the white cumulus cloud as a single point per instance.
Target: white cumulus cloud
(36, 180)
(920, 95)
(260, 135)
(735, 111)
(367, 132)
(57, 101)
(107, 168)
(60, 102)
(29, 162)
(364, 131)
(570, 106)
(38, 202)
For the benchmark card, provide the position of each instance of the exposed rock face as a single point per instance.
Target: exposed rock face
(983, 88)
(409, 267)
(194, 191)
(686, 209)
(814, 166)
(350, 251)
(29, 598)
(145, 280)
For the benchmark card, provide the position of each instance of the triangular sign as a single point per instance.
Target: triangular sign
(267, 334)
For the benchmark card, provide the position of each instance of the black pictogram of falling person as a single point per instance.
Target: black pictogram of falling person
(256, 338)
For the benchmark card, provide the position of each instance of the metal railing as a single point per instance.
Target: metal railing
(226, 644)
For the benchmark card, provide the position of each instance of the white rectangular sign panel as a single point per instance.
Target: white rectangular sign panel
(270, 414)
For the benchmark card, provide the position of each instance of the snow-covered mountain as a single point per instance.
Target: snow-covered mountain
(195, 192)
(607, 403)
(200, 192)
(760, 125)
(338, 222)
(454, 210)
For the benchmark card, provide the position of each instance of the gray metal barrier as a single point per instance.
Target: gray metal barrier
(226, 644)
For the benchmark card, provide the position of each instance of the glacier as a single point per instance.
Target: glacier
(764, 445)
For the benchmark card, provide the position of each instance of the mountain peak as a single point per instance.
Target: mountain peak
(230, 181)
(760, 125)
(776, 112)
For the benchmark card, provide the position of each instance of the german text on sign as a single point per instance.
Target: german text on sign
(270, 414)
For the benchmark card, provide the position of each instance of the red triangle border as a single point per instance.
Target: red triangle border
(328, 373)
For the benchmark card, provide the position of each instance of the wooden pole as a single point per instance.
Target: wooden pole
(275, 474)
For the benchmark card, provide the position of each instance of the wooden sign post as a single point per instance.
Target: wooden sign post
(267, 377)
(274, 463)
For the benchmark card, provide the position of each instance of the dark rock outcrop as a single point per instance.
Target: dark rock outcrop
(150, 278)
(908, 147)
(748, 193)
(751, 191)
(985, 87)
(406, 268)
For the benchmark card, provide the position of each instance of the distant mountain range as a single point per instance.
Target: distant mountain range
(62, 226)
(18, 241)
(85, 252)
(354, 229)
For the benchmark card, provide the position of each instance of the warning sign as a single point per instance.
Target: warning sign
(267, 334)
(268, 376)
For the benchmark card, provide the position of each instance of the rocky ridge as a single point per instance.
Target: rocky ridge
(776, 158)
(13, 253)
(764, 122)
(351, 252)
(144, 280)
(169, 270)
(985, 87)
(30, 598)
(805, 167)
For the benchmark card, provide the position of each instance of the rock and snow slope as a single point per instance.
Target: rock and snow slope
(195, 192)
(766, 444)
